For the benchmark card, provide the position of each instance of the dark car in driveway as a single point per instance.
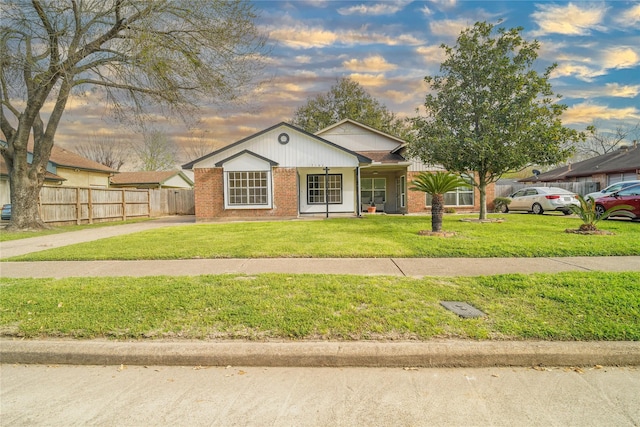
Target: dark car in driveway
(627, 196)
(6, 212)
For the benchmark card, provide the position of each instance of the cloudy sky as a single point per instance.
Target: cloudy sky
(390, 46)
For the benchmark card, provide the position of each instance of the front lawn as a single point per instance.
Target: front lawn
(565, 306)
(520, 235)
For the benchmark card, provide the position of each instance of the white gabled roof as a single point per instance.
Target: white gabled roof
(360, 125)
(302, 149)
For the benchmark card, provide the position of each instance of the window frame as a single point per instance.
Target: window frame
(458, 192)
(373, 189)
(322, 191)
(252, 191)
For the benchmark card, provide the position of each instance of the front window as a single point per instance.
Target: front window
(461, 196)
(247, 188)
(374, 190)
(316, 191)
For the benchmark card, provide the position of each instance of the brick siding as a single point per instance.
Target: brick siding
(209, 196)
(416, 200)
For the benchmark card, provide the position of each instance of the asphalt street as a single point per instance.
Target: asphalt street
(121, 395)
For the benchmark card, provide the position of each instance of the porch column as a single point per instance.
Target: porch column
(358, 201)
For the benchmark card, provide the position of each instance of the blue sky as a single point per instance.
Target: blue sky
(390, 46)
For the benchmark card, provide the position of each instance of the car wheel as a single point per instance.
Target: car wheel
(567, 212)
(504, 209)
(537, 209)
(599, 210)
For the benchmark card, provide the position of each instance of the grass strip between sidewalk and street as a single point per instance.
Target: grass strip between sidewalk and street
(520, 235)
(564, 306)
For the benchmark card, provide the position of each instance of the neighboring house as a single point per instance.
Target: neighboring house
(154, 179)
(284, 171)
(65, 168)
(620, 165)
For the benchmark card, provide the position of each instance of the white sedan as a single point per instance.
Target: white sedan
(541, 199)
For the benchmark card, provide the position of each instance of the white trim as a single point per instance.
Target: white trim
(269, 178)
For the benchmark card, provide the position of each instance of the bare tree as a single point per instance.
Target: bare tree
(156, 152)
(106, 150)
(136, 55)
(599, 142)
(197, 146)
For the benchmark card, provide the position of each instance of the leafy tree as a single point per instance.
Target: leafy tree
(136, 55)
(106, 150)
(156, 152)
(437, 184)
(347, 99)
(489, 111)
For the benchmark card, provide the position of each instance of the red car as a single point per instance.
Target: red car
(627, 196)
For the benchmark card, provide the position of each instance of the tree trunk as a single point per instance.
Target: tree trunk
(25, 193)
(482, 188)
(437, 210)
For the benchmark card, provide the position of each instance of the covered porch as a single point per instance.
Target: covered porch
(385, 187)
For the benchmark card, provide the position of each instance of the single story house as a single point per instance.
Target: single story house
(152, 179)
(622, 164)
(286, 172)
(65, 168)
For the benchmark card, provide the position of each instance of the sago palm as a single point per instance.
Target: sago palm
(588, 212)
(437, 184)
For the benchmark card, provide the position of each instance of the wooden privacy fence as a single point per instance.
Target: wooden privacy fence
(172, 201)
(65, 205)
(80, 205)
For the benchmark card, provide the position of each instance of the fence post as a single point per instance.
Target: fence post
(78, 206)
(124, 205)
(90, 205)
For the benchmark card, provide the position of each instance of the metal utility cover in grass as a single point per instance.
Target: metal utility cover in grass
(462, 309)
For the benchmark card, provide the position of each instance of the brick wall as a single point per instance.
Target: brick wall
(209, 196)
(415, 199)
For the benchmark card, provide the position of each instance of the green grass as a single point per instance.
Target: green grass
(566, 306)
(520, 235)
(6, 236)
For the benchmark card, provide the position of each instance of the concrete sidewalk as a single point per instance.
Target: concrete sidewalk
(410, 267)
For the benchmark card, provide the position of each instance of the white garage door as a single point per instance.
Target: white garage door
(617, 177)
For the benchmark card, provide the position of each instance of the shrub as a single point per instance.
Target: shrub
(500, 202)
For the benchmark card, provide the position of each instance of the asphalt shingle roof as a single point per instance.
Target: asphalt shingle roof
(152, 177)
(625, 159)
(382, 156)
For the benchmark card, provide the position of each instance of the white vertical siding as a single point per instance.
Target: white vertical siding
(356, 138)
(301, 151)
(348, 191)
(177, 182)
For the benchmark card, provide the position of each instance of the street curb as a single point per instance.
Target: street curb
(440, 353)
